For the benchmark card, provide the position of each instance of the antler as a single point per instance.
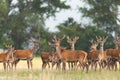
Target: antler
(62, 38)
(68, 39)
(54, 38)
(117, 41)
(76, 38)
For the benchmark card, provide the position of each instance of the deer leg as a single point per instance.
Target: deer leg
(69, 65)
(48, 64)
(64, 66)
(53, 64)
(28, 63)
(119, 64)
(72, 65)
(31, 64)
(115, 66)
(43, 65)
(8, 65)
(87, 67)
(58, 65)
(4, 65)
(15, 63)
(95, 66)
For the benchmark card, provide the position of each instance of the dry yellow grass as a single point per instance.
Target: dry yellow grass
(22, 73)
(23, 64)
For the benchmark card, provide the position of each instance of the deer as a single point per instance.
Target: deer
(97, 56)
(48, 57)
(93, 55)
(70, 55)
(72, 45)
(113, 55)
(102, 55)
(26, 55)
(5, 58)
(45, 57)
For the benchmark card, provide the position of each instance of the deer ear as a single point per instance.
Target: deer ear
(68, 37)
(49, 43)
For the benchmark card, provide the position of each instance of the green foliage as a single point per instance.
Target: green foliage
(25, 19)
(71, 28)
(104, 14)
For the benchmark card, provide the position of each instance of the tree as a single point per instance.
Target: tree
(25, 19)
(85, 33)
(104, 14)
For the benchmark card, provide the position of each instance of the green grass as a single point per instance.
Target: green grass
(22, 73)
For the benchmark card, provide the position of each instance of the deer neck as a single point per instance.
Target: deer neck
(9, 54)
(72, 47)
(93, 48)
(58, 50)
(101, 52)
(35, 49)
(116, 46)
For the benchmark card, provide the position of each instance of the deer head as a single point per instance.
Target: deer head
(36, 45)
(72, 41)
(10, 52)
(94, 44)
(117, 42)
(57, 41)
(102, 40)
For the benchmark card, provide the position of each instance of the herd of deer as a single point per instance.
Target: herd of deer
(95, 59)
(11, 58)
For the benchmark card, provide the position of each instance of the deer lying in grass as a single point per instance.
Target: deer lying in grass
(5, 58)
(25, 55)
(70, 55)
(72, 45)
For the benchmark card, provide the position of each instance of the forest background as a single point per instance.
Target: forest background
(25, 19)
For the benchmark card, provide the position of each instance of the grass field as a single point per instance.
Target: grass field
(22, 73)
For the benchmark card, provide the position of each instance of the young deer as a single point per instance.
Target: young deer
(5, 58)
(25, 55)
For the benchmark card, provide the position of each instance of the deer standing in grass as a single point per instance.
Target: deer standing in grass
(93, 55)
(70, 55)
(113, 55)
(48, 57)
(72, 45)
(27, 55)
(102, 55)
(5, 58)
(97, 56)
(45, 57)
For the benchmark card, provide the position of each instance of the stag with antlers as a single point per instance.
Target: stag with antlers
(72, 45)
(97, 56)
(70, 55)
(93, 55)
(113, 55)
